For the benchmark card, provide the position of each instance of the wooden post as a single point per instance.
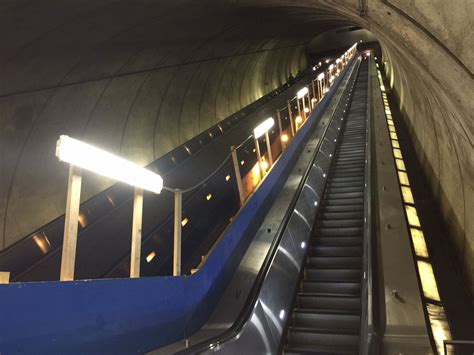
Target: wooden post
(309, 102)
(280, 127)
(178, 210)
(238, 177)
(68, 258)
(135, 256)
(290, 113)
(259, 158)
(304, 108)
(269, 148)
(4, 277)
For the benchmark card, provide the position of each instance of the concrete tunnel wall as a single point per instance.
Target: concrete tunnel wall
(124, 95)
(113, 73)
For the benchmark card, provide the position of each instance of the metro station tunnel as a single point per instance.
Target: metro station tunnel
(241, 177)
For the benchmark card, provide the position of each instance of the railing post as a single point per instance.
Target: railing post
(178, 205)
(259, 158)
(280, 127)
(68, 258)
(4, 277)
(309, 102)
(290, 113)
(269, 148)
(240, 187)
(135, 255)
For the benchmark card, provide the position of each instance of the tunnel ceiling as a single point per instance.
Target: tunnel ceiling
(140, 77)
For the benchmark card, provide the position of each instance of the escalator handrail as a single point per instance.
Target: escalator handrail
(367, 329)
(252, 298)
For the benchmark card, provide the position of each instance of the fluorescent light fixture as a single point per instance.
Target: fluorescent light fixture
(263, 127)
(86, 156)
(321, 76)
(331, 67)
(302, 92)
(338, 60)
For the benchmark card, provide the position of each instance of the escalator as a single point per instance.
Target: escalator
(326, 316)
(311, 294)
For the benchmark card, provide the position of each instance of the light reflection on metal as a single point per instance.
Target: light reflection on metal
(258, 324)
(289, 256)
(42, 242)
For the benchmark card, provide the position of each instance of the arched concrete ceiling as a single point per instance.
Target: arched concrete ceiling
(139, 77)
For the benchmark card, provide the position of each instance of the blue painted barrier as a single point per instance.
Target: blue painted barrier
(128, 316)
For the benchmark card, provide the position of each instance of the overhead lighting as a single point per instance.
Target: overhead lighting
(321, 76)
(263, 127)
(306, 110)
(302, 92)
(284, 138)
(99, 161)
(298, 119)
(331, 67)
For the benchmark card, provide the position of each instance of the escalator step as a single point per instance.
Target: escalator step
(332, 275)
(344, 195)
(343, 262)
(306, 341)
(335, 251)
(323, 222)
(342, 215)
(337, 241)
(331, 288)
(348, 201)
(325, 321)
(312, 301)
(339, 231)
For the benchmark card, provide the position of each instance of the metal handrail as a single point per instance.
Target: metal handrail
(367, 304)
(455, 342)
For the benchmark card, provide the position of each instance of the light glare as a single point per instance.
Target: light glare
(302, 93)
(86, 156)
(263, 127)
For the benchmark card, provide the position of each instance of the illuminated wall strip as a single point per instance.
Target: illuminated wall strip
(439, 325)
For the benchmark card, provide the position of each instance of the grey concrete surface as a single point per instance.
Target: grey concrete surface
(140, 77)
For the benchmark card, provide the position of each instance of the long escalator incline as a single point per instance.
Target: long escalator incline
(327, 311)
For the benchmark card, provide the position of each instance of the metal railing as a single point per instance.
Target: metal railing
(456, 347)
